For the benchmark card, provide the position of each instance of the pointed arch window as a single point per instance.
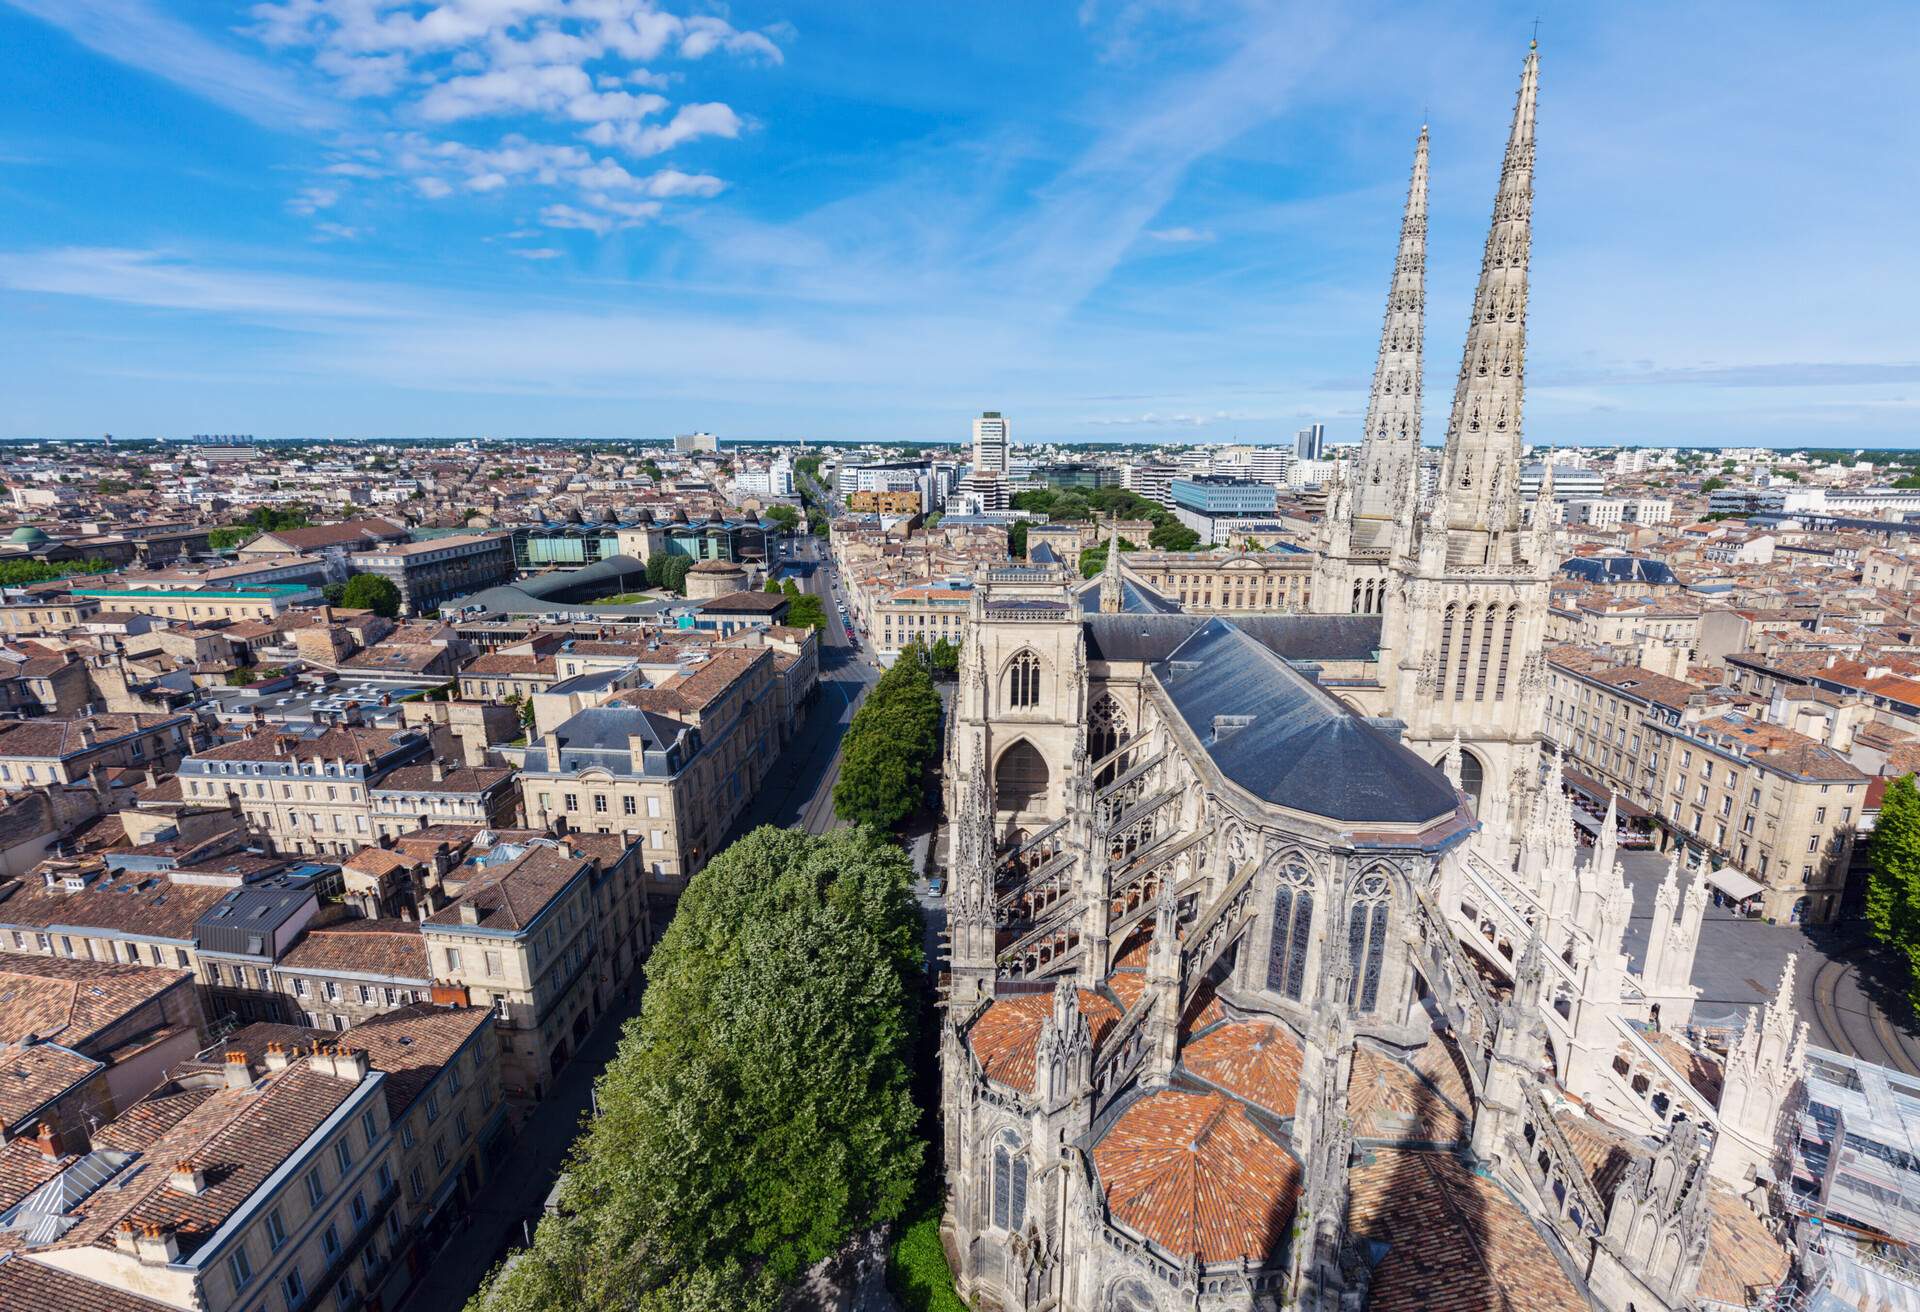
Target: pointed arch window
(1466, 653)
(1292, 930)
(1009, 1184)
(1486, 653)
(1446, 642)
(1506, 652)
(1367, 940)
(1106, 732)
(1023, 680)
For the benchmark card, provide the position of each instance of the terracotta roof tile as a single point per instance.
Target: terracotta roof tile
(1455, 1241)
(1741, 1253)
(1007, 1034)
(1195, 1174)
(1257, 1059)
(30, 1286)
(1387, 1100)
(70, 1001)
(390, 948)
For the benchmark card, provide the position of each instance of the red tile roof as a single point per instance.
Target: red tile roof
(1007, 1034)
(1257, 1059)
(1195, 1174)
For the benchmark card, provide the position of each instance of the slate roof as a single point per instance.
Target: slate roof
(1149, 638)
(1299, 745)
(1136, 598)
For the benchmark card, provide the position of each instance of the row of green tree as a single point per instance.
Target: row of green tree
(804, 610)
(1077, 505)
(1893, 882)
(262, 519)
(890, 744)
(760, 1109)
(19, 573)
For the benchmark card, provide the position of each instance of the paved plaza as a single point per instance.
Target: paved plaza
(1844, 990)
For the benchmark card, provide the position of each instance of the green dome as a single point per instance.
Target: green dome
(27, 535)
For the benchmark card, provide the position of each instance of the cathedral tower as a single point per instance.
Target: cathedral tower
(1359, 524)
(1465, 618)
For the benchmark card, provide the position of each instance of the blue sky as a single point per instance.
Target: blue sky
(1116, 219)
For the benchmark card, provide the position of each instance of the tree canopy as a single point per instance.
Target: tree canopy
(890, 744)
(373, 592)
(759, 1109)
(18, 573)
(668, 570)
(807, 611)
(786, 518)
(1094, 559)
(1893, 887)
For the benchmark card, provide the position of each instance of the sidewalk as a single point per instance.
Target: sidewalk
(519, 1185)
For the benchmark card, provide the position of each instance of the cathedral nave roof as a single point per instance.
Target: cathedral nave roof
(1283, 738)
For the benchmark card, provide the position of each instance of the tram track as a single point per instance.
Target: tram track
(1871, 1038)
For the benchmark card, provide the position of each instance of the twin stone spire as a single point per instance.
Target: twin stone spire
(1478, 504)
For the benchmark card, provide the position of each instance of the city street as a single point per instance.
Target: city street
(1839, 990)
(797, 791)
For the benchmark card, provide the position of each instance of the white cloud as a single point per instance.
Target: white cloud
(310, 200)
(1181, 236)
(537, 253)
(566, 216)
(583, 68)
(336, 231)
(134, 32)
(689, 123)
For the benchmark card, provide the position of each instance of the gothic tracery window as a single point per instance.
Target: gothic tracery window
(1367, 940)
(1292, 929)
(1009, 1184)
(1023, 680)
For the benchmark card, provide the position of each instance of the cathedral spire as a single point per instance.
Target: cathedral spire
(1112, 596)
(1482, 465)
(1393, 409)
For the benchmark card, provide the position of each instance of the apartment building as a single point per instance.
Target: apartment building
(1601, 714)
(521, 938)
(435, 793)
(498, 675)
(36, 753)
(240, 939)
(668, 767)
(923, 613)
(84, 1038)
(275, 1188)
(1601, 618)
(263, 602)
(1772, 803)
(346, 973)
(430, 574)
(304, 793)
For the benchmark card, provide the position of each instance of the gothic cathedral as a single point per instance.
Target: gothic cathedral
(1275, 976)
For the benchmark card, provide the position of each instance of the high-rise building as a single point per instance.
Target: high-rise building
(991, 438)
(1270, 464)
(1310, 442)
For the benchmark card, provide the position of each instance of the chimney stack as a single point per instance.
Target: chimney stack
(155, 1246)
(239, 1074)
(126, 1237)
(188, 1178)
(279, 1056)
(48, 1142)
(469, 913)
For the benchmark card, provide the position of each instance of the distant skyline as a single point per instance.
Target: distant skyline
(1121, 220)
